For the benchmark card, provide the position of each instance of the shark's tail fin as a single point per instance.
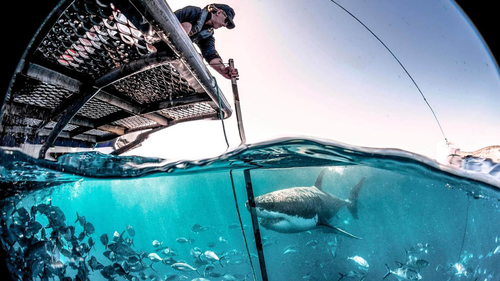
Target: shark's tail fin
(353, 198)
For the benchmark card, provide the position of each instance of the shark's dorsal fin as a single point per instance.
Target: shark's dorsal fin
(319, 180)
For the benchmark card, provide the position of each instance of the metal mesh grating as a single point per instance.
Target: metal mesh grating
(156, 84)
(16, 120)
(93, 37)
(33, 92)
(135, 122)
(30, 122)
(96, 109)
(68, 127)
(188, 111)
(95, 132)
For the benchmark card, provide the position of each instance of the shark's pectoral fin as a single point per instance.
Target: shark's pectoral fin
(332, 229)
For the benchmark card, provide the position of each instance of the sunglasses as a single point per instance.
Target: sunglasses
(226, 21)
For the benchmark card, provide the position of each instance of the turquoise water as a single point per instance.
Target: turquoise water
(418, 221)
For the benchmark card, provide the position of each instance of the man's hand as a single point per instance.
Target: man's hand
(232, 72)
(226, 72)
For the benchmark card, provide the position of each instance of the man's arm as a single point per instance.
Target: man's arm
(187, 27)
(187, 14)
(213, 58)
(227, 72)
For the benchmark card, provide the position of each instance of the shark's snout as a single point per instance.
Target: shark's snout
(256, 203)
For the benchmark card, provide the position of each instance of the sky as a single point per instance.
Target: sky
(309, 69)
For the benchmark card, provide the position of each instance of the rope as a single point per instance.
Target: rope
(241, 226)
(465, 228)
(407, 73)
(221, 114)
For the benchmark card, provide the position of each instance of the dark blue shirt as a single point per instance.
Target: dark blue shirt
(207, 46)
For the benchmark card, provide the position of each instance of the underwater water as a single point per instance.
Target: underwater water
(97, 217)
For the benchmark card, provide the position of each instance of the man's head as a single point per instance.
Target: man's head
(222, 15)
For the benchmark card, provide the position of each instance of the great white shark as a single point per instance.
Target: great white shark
(299, 209)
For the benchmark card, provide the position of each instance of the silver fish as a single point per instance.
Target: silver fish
(93, 263)
(130, 231)
(197, 228)
(313, 243)
(104, 240)
(154, 257)
(89, 228)
(169, 260)
(184, 240)
(181, 266)
(403, 273)
(352, 274)
(418, 249)
(233, 226)
(157, 244)
(360, 261)
(122, 249)
(80, 219)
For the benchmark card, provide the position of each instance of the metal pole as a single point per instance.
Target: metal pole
(255, 223)
(237, 107)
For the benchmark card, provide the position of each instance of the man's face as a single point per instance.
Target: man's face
(219, 19)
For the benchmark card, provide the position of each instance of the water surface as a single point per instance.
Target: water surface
(415, 216)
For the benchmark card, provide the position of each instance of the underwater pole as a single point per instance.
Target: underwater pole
(255, 223)
(237, 107)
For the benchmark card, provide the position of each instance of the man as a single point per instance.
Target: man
(200, 24)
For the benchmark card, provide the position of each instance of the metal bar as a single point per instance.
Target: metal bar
(53, 77)
(40, 113)
(101, 122)
(70, 108)
(114, 75)
(132, 108)
(69, 113)
(46, 132)
(111, 99)
(212, 116)
(18, 130)
(167, 21)
(79, 130)
(177, 102)
(237, 107)
(147, 62)
(118, 130)
(26, 110)
(138, 140)
(255, 223)
(157, 118)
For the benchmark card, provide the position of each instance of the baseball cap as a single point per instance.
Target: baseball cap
(229, 12)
